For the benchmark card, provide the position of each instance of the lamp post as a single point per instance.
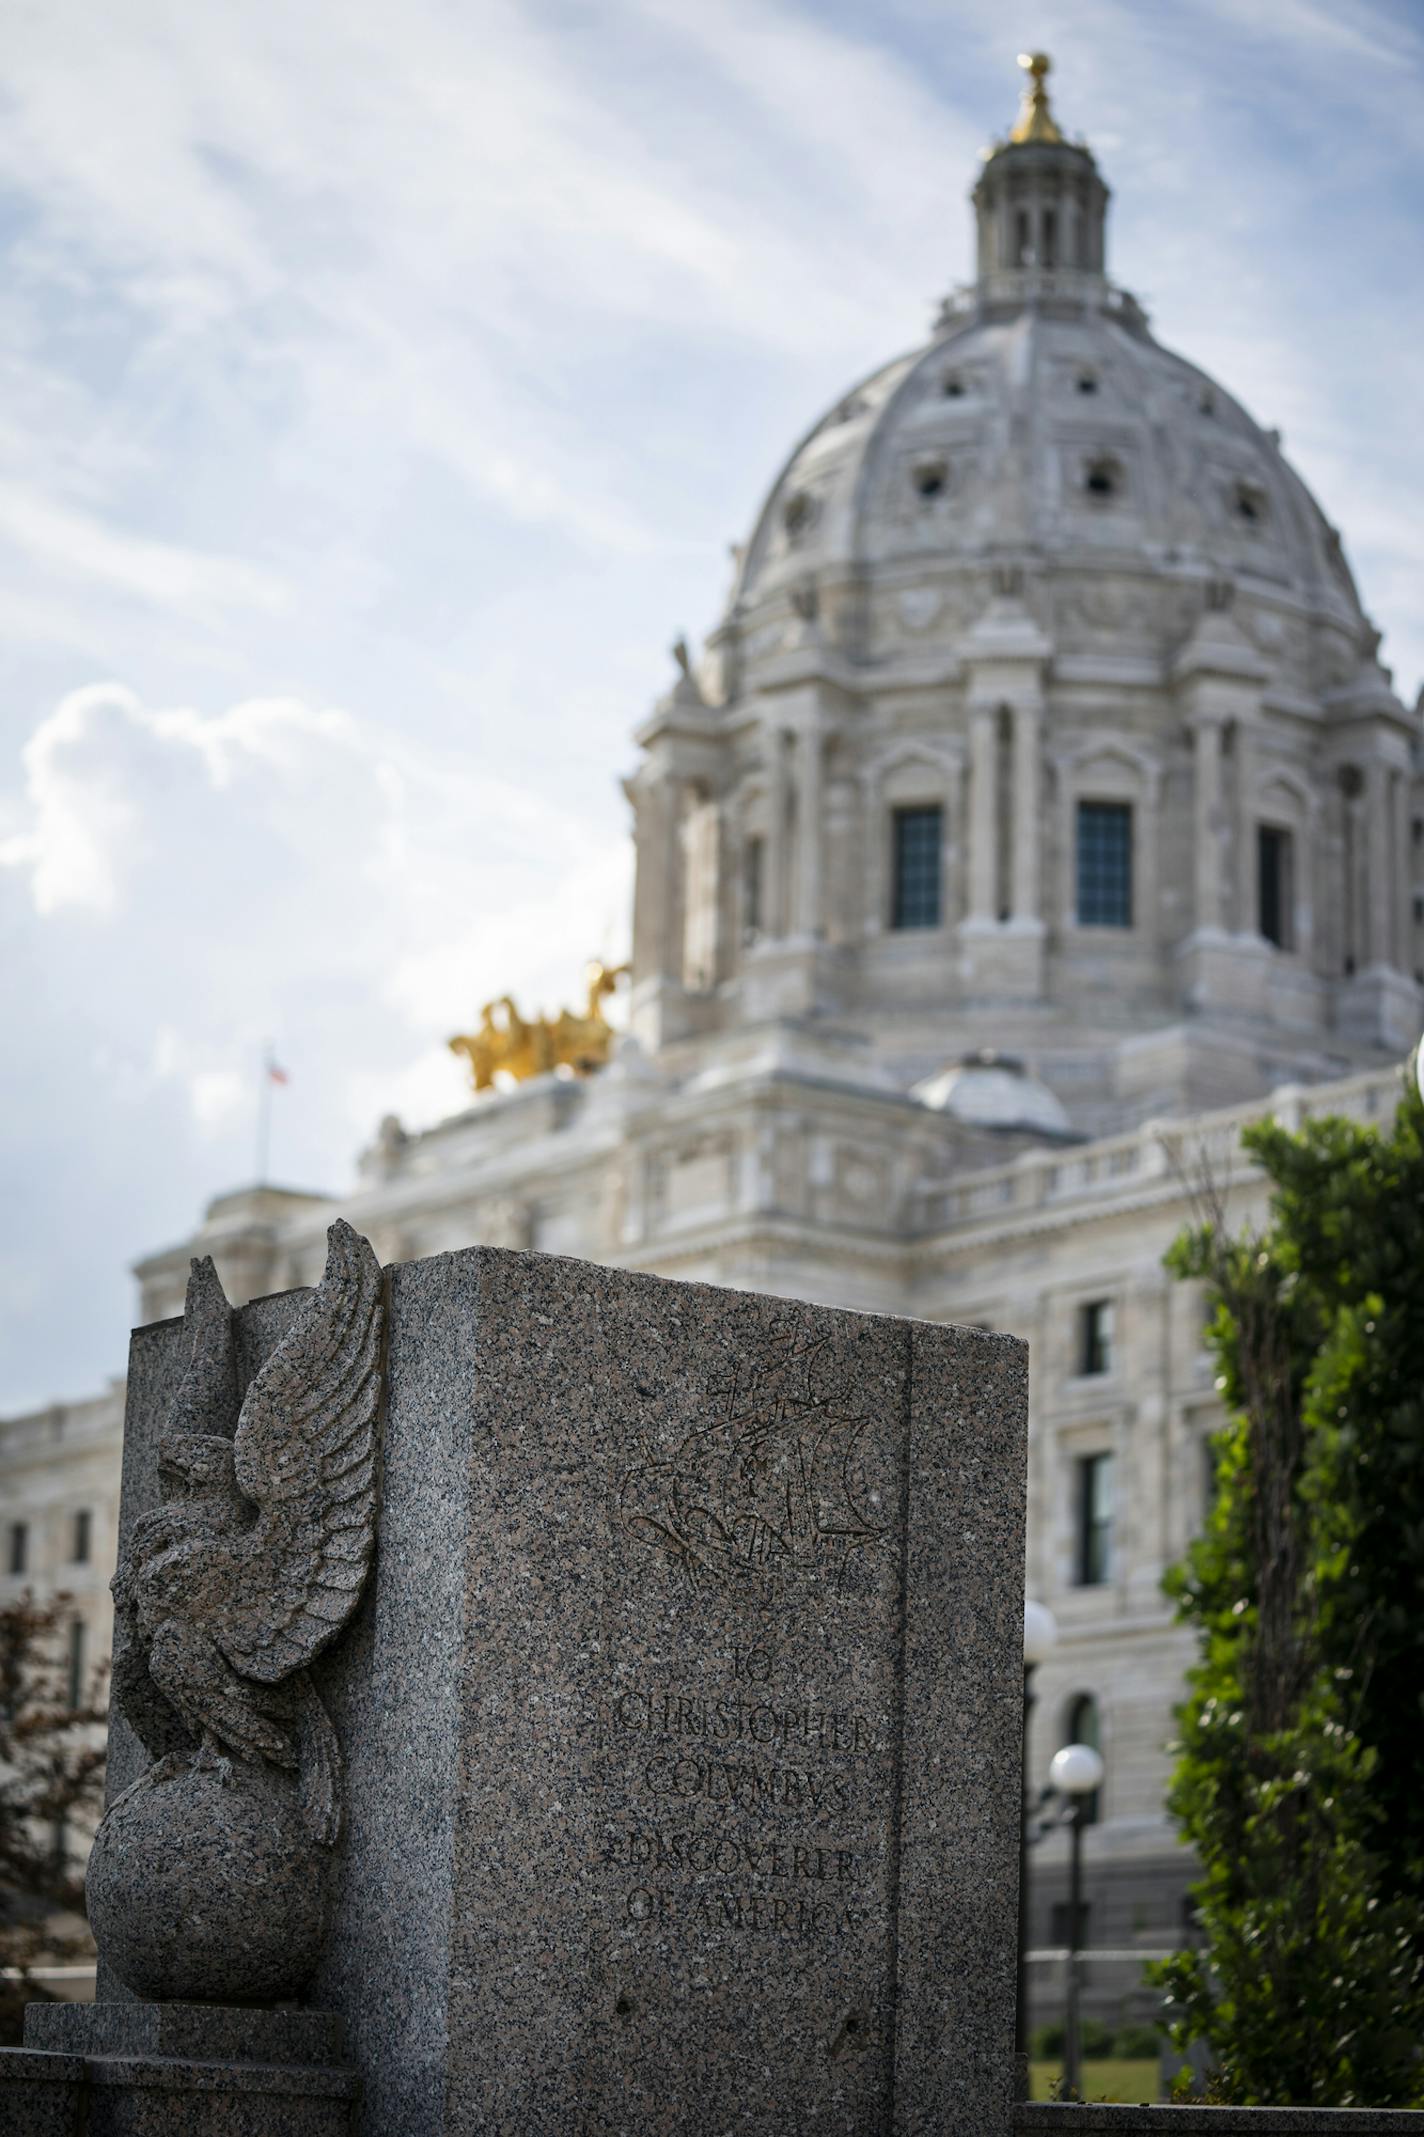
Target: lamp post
(1075, 1772)
(1040, 1638)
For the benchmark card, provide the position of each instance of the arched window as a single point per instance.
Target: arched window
(1275, 885)
(1004, 813)
(1104, 857)
(1082, 1726)
(917, 897)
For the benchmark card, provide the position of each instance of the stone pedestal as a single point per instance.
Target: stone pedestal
(779, 979)
(1003, 960)
(1379, 1007)
(681, 1722)
(177, 2070)
(1224, 974)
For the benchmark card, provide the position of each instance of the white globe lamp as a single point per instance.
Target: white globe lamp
(1076, 1770)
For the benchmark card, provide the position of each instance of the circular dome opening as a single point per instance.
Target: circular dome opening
(1087, 382)
(954, 388)
(930, 478)
(798, 514)
(1249, 504)
(1102, 478)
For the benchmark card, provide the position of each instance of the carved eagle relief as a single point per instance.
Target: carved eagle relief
(256, 1558)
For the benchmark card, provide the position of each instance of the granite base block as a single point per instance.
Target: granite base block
(1048, 2119)
(162, 2096)
(193, 2032)
(176, 2070)
(41, 2095)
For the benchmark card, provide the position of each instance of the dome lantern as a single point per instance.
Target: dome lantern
(1041, 203)
(1026, 720)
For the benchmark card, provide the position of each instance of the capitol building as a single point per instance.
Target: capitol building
(1038, 813)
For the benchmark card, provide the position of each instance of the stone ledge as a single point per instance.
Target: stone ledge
(1044, 2118)
(156, 2073)
(46, 2094)
(194, 2032)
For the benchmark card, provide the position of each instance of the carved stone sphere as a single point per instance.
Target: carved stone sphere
(209, 1889)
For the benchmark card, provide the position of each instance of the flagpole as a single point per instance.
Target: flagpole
(264, 1114)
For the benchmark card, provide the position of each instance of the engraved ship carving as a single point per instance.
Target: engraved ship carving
(768, 1490)
(249, 1569)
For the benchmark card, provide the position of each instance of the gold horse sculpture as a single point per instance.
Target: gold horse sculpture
(521, 1047)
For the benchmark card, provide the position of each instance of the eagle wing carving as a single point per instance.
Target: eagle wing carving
(305, 1453)
(255, 1558)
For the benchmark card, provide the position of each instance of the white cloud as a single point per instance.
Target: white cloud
(178, 888)
(78, 826)
(312, 848)
(218, 1096)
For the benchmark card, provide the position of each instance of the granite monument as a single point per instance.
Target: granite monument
(660, 1775)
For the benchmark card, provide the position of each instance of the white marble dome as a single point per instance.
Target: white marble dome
(1062, 427)
(1043, 421)
(1044, 715)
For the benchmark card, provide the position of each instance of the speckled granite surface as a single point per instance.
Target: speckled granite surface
(49, 2095)
(1043, 2120)
(41, 2095)
(681, 1715)
(204, 2032)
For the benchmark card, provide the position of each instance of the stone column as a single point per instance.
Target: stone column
(1208, 826)
(1148, 1358)
(1354, 917)
(1310, 849)
(642, 882)
(1245, 919)
(1377, 843)
(701, 878)
(874, 856)
(1400, 855)
(731, 875)
(778, 856)
(1028, 831)
(982, 857)
(809, 832)
(844, 865)
(674, 860)
(657, 902)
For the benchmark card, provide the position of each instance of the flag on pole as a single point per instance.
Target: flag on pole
(272, 1072)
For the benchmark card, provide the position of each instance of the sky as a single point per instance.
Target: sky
(382, 388)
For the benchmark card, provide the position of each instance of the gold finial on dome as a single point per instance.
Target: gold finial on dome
(1035, 121)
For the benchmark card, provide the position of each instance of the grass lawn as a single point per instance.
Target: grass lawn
(1104, 2078)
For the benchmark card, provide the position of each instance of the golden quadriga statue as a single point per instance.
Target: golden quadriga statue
(523, 1046)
